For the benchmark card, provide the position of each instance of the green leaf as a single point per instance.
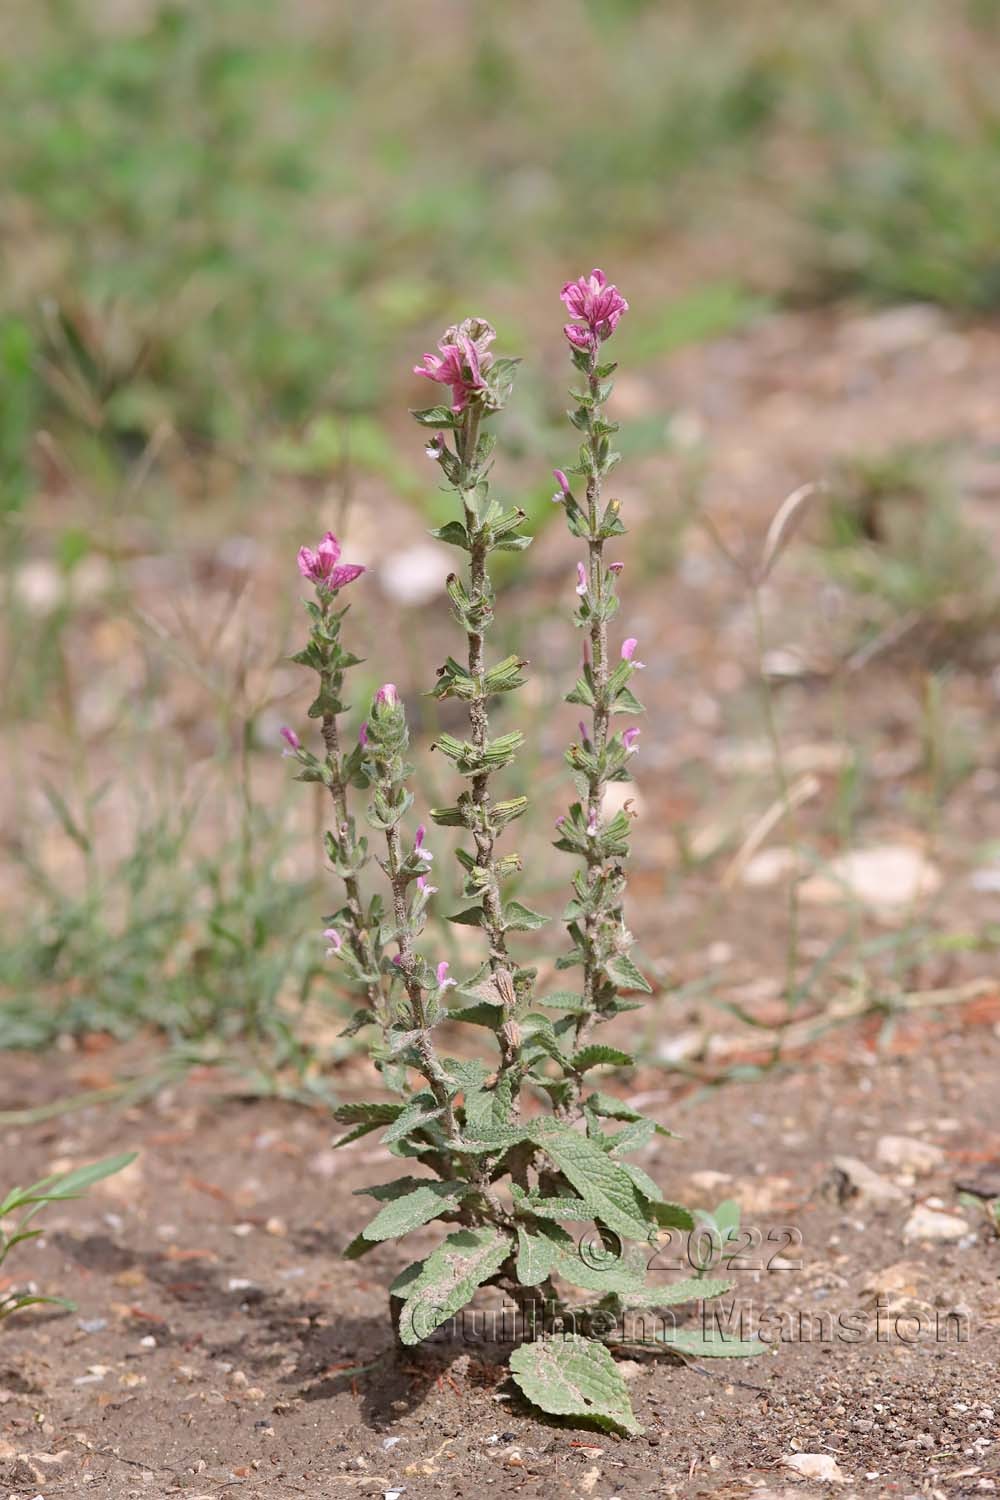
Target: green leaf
(449, 1278)
(521, 918)
(672, 1215)
(535, 1256)
(621, 970)
(603, 1184)
(691, 1289)
(710, 1346)
(570, 1376)
(421, 1110)
(365, 1118)
(411, 1210)
(589, 1263)
(596, 1054)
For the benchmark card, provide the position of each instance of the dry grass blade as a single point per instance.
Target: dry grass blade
(782, 528)
(799, 792)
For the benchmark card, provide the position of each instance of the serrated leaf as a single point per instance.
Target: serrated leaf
(420, 1111)
(404, 1214)
(570, 1376)
(588, 1263)
(621, 970)
(598, 1053)
(603, 1184)
(365, 1118)
(449, 1278)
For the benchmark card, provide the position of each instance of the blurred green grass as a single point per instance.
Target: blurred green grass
(229, 217)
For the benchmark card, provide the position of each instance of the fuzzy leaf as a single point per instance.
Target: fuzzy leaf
(596, 1054)
(588, 1264)
(621, 970)
(604, 1185)
(570, 1376)
(672, 1215)
(449, 1277)
(691, 1289)
(365, 1118)
(411, 1210)
(535, 1256)
(710, 1346)
(421, 1110)
(520, 918)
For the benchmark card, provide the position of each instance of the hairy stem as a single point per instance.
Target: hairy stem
(600, 716)
(435, 1074)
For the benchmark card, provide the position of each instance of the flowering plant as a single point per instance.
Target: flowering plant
(519, 1143)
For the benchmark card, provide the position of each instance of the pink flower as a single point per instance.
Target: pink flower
(387, 696)
(629, 741)
(291, 739)
(583, 730)
(598, 305)
(592, 824)
(618, 567)
(418, 845)
(444, 982)
(334, 939)
(581, 579)
(423, 884)
(464, 356)
(363, 735)
(563, 491)
(320, 567)
(580, 338)
(435, 447)
(628, 651)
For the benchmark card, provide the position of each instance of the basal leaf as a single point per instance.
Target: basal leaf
(570, 1376)
(691, 1289)
(709, 1345)
(448, 1279)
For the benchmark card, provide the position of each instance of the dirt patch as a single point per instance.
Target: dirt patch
(218, 1336)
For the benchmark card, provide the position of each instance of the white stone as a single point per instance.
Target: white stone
(904, 1154)
(816, 1466)
(931, 1224)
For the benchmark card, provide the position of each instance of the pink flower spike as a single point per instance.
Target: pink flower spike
(598, 305)
(581, 579)
(628, 652)
(321, 566)
(444, 982)
(629, 741)
(363, 735)
(291, 739)
(334, 939)
(463, 356)
(387, 696)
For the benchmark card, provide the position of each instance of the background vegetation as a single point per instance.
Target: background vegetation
(228, 229)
